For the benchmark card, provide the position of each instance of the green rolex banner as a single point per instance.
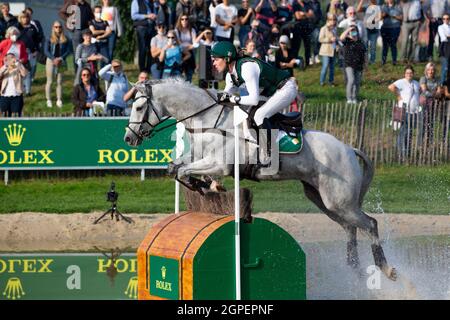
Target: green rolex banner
(79, 143)
(68, 276)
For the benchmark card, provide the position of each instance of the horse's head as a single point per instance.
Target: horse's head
(144, 116)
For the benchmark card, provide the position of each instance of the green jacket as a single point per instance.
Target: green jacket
(269, 79)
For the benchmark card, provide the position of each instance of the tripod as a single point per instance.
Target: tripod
(114, 212)
(113, 196)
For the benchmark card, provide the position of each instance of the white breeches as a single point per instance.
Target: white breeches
(281, 99)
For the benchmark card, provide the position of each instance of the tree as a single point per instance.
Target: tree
(126, 45)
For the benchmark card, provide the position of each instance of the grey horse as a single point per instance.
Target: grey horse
(329, 169)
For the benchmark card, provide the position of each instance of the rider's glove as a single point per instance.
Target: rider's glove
(235, 99)
(223, 96)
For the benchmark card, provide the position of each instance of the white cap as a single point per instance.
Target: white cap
(284, 39)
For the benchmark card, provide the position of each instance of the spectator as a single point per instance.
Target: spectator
(226, 19)
(250, 49)
(391, 14)
(173, 56)
(142, 77)
(158, 42)
(354, 52)
(74, 24)
(56, 49)
(87, 56)
(100, 31)
(285, 58)
(7, 20)
(37, 24)
(372, 19)
(352, 19)
(143, 13)
(118, 86)
(412, 13)
(303, 14)
(186, 35)
(212, 13)
(430, 92)
(86, 94)
(201, 13)
(338, 8)
(444, 47)
(328, 40)
(245, 15)
(13, 45)
(407, 91)
(435, 10)
(205, 38)
(316, 23)
(111, 15)
(165, 15)
(285, 14)
(30, 36)
(266, 12)
(12, 74)
(445, 112)
(257, 36)
(185, 7)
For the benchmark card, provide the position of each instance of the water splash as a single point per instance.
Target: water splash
(422, 264)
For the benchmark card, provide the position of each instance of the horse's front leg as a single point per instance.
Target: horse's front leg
(205, 166)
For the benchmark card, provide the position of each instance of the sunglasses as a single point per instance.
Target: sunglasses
(351, 13)
(85, 75)
(184, 19)
(57, 27)
(170, 37)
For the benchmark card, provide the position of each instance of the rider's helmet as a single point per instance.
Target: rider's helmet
(224, 49)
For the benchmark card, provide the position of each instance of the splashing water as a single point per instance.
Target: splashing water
(422, 263)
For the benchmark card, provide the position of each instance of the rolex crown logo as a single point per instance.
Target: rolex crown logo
(132, 288)
(15, 133)
(163, 272)
(14, 289)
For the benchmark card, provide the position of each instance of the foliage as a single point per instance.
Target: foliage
(126, 45)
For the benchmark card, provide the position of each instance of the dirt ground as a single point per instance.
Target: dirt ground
(23, 232)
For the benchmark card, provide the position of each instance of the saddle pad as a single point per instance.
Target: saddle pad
(288, 144)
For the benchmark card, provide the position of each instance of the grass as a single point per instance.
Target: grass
(394, 190)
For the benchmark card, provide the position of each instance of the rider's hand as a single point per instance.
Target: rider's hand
(235, 99)
(223, 96)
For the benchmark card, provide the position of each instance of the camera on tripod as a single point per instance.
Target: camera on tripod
(112, 195)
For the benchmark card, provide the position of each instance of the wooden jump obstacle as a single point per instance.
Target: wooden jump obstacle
(191, 256)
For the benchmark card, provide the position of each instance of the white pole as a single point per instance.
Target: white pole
(6, 177)
(179, 149)
(237, 204)
(142, 174)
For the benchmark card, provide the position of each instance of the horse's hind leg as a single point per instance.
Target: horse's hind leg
(352, 246)
(370, 226)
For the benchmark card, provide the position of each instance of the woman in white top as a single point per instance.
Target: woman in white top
(407, 91)
(186, 35)
(206, 38)
(111, 15)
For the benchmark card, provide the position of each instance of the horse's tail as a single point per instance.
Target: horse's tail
(368, 173)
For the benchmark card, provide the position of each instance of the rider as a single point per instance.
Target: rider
(256, 74)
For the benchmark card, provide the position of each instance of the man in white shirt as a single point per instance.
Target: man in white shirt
(226, 19)
(444, 47)
(407, 91)
(352, 19)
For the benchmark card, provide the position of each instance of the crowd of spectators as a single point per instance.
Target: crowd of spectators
(291, 34)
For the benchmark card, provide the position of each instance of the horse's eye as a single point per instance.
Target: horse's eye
(139, 108)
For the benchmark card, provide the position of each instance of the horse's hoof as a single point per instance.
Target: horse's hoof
(172, 168)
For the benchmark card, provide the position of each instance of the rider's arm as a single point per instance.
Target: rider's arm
(250, 74)
(229, 85)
